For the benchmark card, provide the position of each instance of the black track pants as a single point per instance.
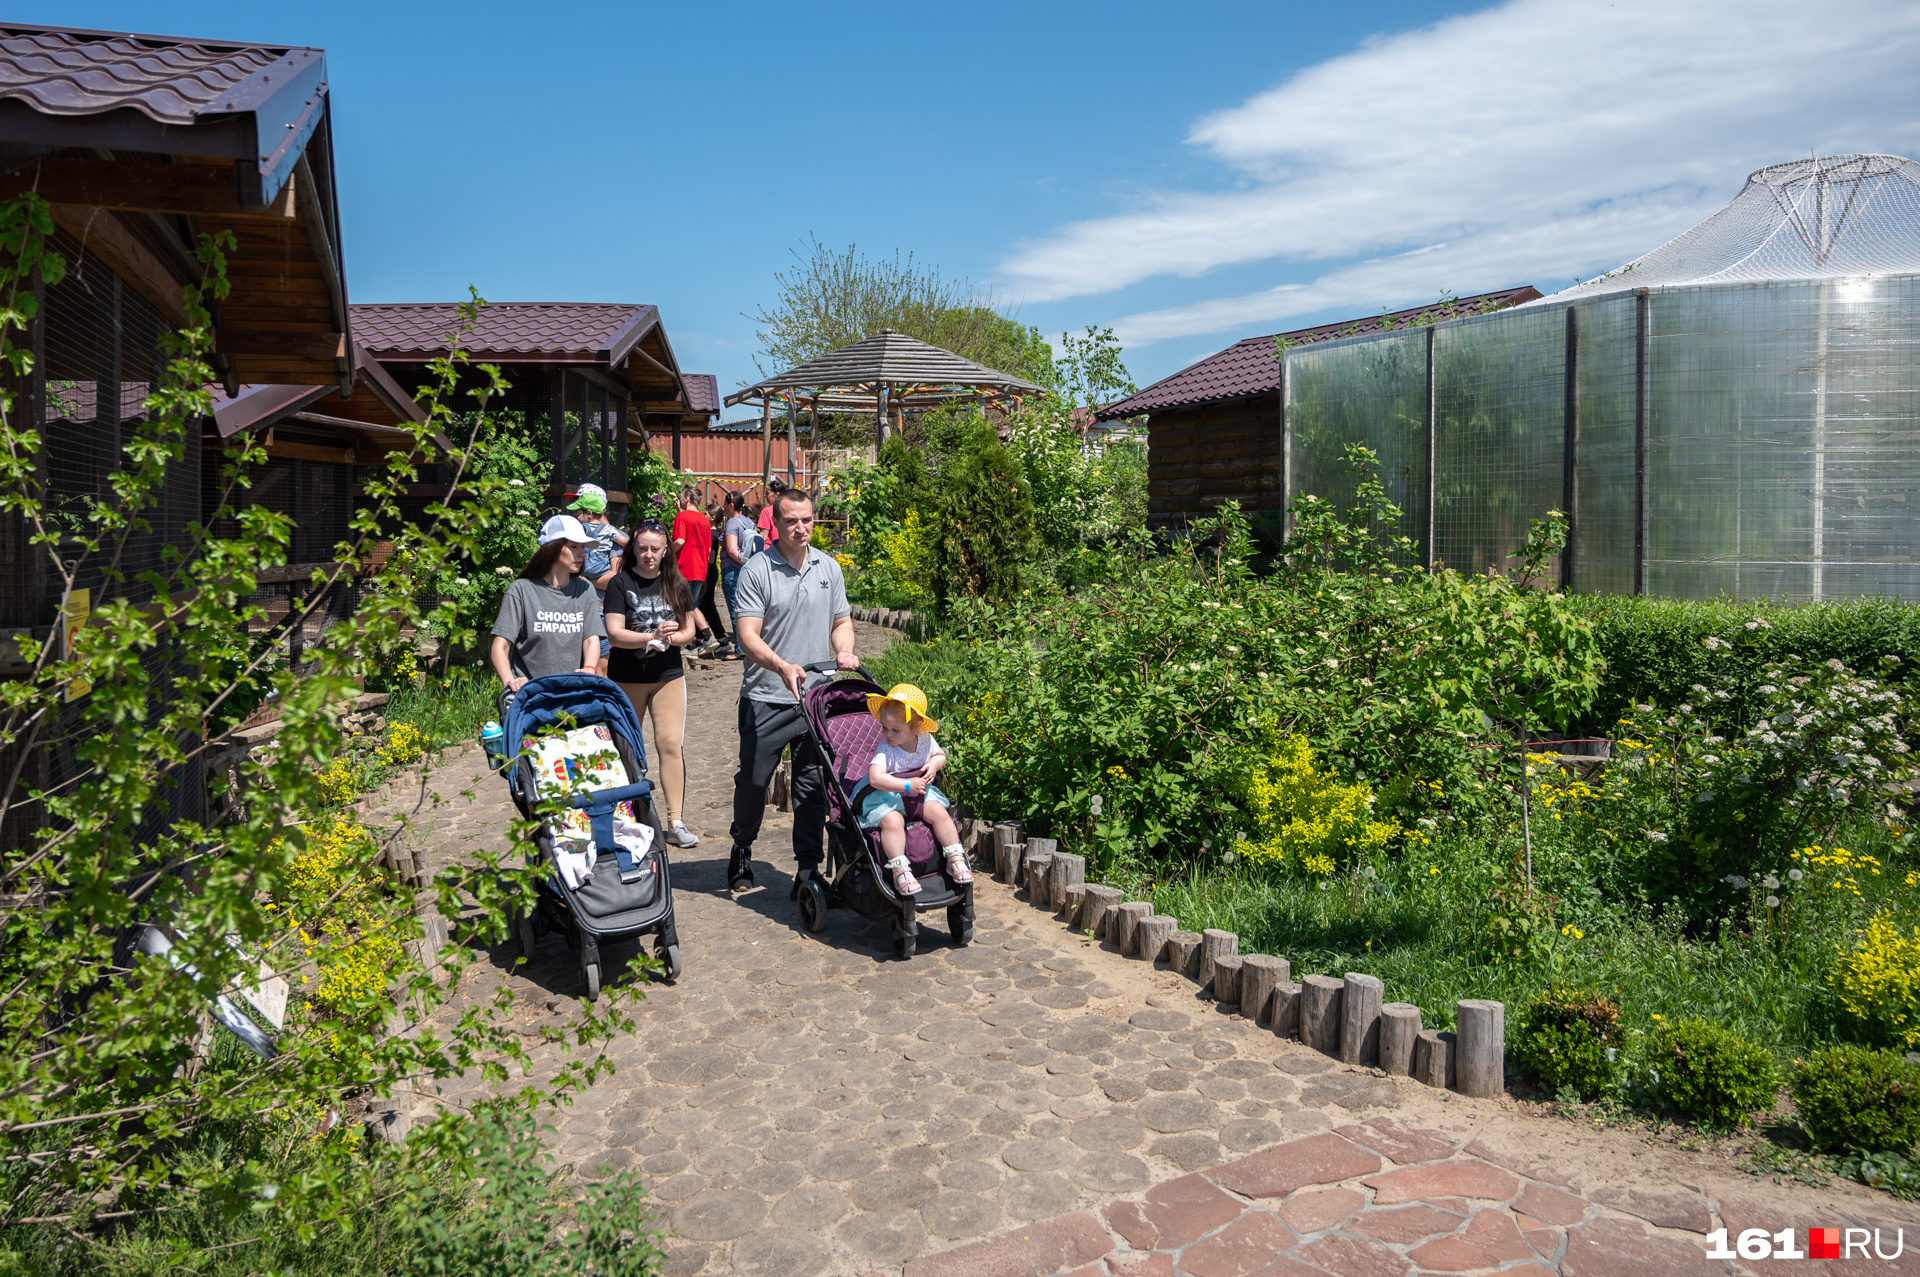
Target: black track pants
(765, 730)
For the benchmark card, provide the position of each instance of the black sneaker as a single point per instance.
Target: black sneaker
(739, 868)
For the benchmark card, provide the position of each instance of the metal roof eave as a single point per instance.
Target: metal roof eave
(263, 124)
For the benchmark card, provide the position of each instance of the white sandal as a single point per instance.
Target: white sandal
(903, 880)
(957, 868)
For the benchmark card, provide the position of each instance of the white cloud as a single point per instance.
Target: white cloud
(1524, 143)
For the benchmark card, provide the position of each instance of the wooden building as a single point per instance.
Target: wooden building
(703, 409)
(1215, 430)
(142, 144)
(585, 376)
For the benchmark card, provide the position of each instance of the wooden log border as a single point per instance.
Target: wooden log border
(1344, 1017)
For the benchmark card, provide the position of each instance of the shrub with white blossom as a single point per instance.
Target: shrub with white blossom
(1722, 804)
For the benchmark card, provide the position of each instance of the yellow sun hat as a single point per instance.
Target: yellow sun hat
(909, 697)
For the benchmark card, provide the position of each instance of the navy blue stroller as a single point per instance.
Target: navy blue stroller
(627, 895)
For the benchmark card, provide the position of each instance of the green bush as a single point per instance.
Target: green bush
(984, 540)
(1570, 1038)
(1655, 649)
(1719, 804)
(1116, 718)
(1711, 1074)
(1855, 1100)
(523, 1219)
(936, 667)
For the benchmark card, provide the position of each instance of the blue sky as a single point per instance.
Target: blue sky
(1188, 174)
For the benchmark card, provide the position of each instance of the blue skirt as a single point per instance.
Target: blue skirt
(875, 803)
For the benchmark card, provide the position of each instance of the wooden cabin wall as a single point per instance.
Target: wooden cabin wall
(1199, 457)
(98, 357)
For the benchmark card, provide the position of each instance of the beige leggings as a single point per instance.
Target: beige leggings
(668, 704)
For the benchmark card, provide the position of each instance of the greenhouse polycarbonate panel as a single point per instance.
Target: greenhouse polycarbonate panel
(1369, 391)
(1603, 480)
(1501, 444)
(1784, 448)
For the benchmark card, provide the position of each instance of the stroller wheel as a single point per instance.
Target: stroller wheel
(960, 924)
(670, 955)
(905, 932)
(592, 971)
(813, 904)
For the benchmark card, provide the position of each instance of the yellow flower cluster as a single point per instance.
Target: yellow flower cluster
(332, 893)
(339, 855)
(1304, 815)
(1843, 865)
(357, 958)
(1878, 980)
(339, 781)
(988, 709)
(405, 744)
(909, 556)
(1117, 772)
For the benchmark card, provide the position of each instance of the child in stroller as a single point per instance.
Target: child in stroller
(899, 786)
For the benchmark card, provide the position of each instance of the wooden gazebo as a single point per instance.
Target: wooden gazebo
(886, 375)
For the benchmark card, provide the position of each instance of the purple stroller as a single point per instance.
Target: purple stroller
(846, 738)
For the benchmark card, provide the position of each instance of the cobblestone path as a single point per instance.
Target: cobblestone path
(804, 1104)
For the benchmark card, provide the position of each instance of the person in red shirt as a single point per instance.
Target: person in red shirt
(692, 547)
(765, 522)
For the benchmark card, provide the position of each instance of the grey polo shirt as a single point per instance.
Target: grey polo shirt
(797, 611)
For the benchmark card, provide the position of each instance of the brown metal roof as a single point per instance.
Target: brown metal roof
(891, 359)
(93, 117)
(60, 71)
(1248, 368)
(385, 404)
(543, 332)
(703, 393)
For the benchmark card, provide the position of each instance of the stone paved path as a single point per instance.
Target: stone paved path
(803, 1104)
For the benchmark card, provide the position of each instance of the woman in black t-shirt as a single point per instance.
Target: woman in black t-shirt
(648, 606)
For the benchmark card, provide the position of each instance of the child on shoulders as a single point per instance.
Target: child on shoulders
(900, 779)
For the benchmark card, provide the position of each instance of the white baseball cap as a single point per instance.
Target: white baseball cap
(564, 527)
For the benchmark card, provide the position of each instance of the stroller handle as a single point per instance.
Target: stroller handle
(830, 668)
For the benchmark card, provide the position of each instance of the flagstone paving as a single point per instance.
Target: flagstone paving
(804, 1104)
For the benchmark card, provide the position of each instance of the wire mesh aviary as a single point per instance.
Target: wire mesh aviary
(1831, 217)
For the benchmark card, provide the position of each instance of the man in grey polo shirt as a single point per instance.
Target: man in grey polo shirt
(791, 611)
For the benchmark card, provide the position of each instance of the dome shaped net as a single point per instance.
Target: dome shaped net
(1837, 216)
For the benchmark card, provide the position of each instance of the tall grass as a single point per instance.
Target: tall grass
(935, 667)
(1419, 933)
(198, 1234)
(447, 711)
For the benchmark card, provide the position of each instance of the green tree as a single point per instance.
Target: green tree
(832, 299)
(909, 489)
(1089, 371)
(507, 453)
(107, 1107)
(983, 537)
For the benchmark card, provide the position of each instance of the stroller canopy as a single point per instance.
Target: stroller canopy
(586, 698)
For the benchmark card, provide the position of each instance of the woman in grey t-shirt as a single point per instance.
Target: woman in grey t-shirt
(549, 622)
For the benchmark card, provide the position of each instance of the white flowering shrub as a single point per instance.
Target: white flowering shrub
(1721, 805)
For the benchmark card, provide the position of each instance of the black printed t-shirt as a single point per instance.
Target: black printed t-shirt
(644, 608)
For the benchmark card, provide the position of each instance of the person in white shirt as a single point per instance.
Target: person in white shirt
(900, 786)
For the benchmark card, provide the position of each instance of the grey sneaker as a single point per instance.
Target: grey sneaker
(678, 835)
